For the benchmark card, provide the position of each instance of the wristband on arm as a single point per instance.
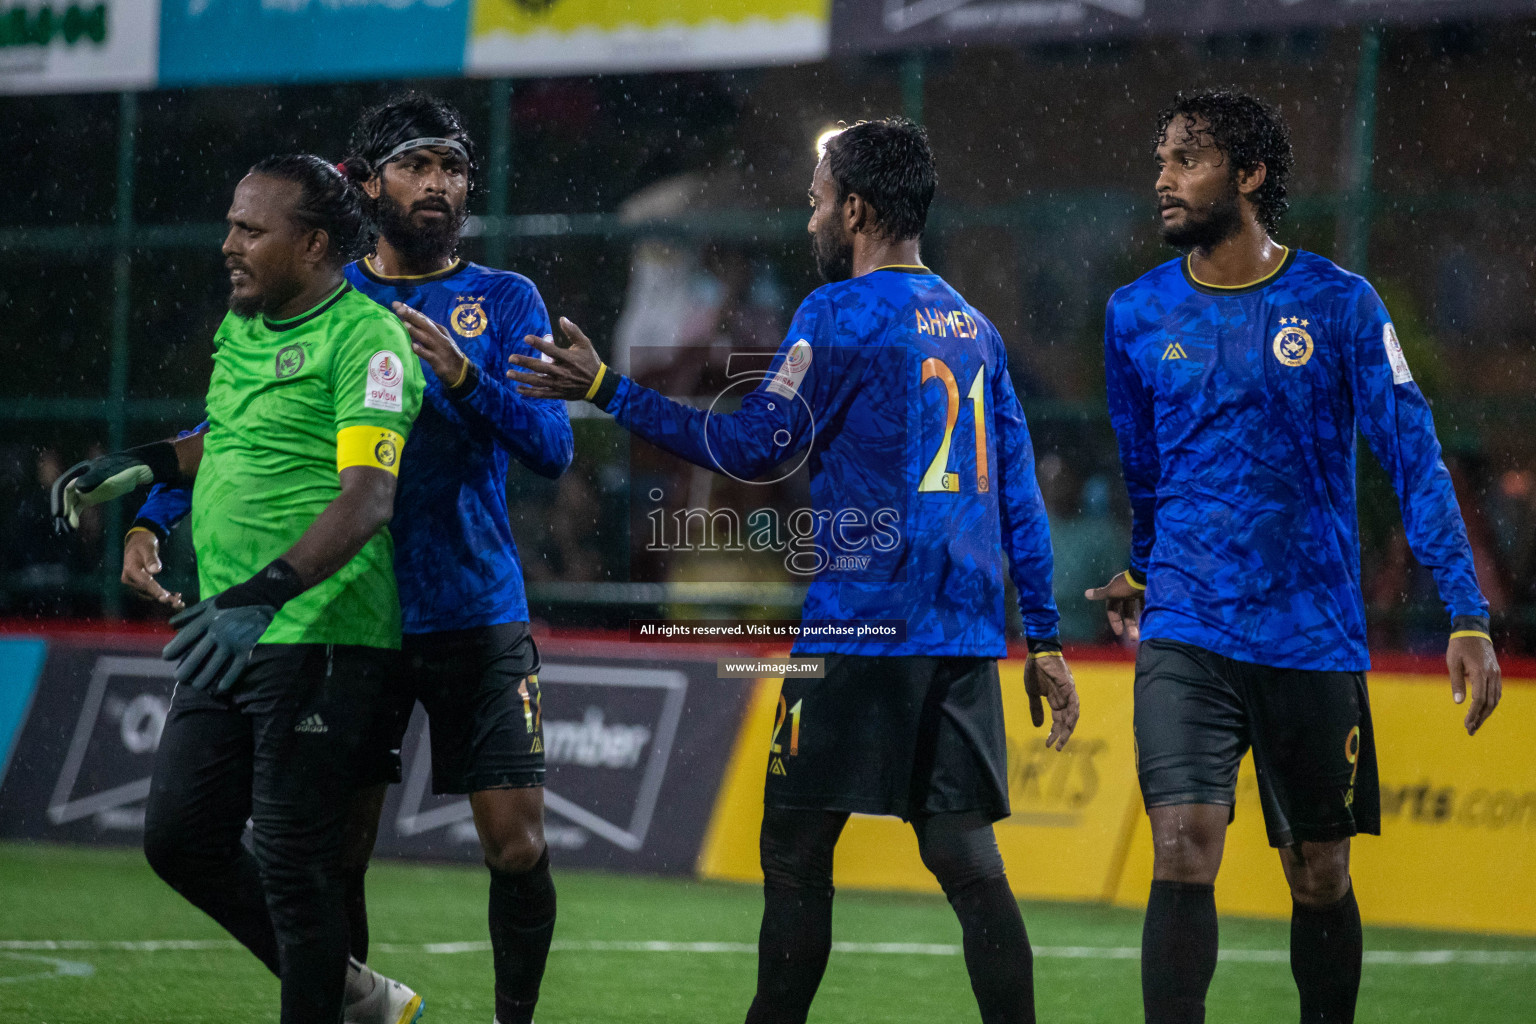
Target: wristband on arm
(274, 586)
(468, 378)
(1136, 579)
(604, 386)
(1043, 647)
(149, 526)
(1470, 625)
(160, 457)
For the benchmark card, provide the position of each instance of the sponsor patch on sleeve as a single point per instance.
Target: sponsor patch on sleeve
(385, 385)
(1400, 372)
(791, 372)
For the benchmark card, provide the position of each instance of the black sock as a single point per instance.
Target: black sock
(1326, 949)
(997, 953)
(522, 917)
(1178, 952)
(357, 913)
(792, 951)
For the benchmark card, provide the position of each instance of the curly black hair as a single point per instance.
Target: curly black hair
(890, 164)
(406, 116)
(1250, 132)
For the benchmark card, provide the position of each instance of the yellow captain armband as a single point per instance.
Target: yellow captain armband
(597, 382)
(1132, 581)
(375, 447)
(1471, 632)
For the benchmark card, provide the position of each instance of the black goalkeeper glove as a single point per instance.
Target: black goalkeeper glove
(215, 637)
(111, 476)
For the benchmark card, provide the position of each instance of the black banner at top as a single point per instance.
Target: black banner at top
(869, 25)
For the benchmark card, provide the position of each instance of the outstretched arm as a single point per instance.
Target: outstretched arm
(103, 479)
(771, 425)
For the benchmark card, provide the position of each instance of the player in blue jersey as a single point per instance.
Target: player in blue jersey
(919, 459)
(1238, 376)
(467, 653)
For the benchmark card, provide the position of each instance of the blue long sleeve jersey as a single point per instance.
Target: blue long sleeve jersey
(897, 393)
(1236, 409)
(456, 563)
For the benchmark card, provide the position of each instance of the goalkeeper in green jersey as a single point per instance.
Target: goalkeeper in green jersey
(313, 392)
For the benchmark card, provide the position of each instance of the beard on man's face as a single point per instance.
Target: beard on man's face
(1206, 228)
(834, 256)
(245, 306)
(423, 244)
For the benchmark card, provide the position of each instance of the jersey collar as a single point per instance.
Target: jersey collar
(304, 318)
(904, 268)
(1237, 289)
(366, 266)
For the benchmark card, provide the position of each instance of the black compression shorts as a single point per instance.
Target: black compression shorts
(1197, 713)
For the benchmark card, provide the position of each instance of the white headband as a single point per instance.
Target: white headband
(407, 146)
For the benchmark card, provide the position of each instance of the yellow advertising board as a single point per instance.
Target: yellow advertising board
(540, 37)
(1072, 810)
(1458, 848)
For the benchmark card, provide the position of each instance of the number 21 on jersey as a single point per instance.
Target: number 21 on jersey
(937, 477)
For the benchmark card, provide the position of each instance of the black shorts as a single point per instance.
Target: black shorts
(1314, 752)
(313, 709)
(905, 736)
(480, 690)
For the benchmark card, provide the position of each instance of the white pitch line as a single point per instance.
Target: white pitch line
(1383, 957)
(60, 968)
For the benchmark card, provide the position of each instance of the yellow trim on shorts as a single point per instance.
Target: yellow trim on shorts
(1037, 655)
(1471, 632)
(375, 447)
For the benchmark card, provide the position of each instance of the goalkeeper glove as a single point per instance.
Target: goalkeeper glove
(215, 637)
(111, 476)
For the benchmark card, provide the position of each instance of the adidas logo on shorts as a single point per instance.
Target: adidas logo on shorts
(311, 724)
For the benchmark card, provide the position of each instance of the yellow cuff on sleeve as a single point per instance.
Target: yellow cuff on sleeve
(1045, 654)
(377, 447)
(597, 382)
(139, 529)
(1134, 585)
(1471, 632)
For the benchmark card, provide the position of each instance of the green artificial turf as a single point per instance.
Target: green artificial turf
(97, 896)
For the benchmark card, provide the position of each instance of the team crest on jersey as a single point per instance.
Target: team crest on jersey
(289, 361)
(1293, 345)
(468, 318)
(386, 453)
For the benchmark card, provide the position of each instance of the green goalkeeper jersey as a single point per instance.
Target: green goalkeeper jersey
(291, 403)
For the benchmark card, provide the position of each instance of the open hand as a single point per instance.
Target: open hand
(431, 341)
(567, 371)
